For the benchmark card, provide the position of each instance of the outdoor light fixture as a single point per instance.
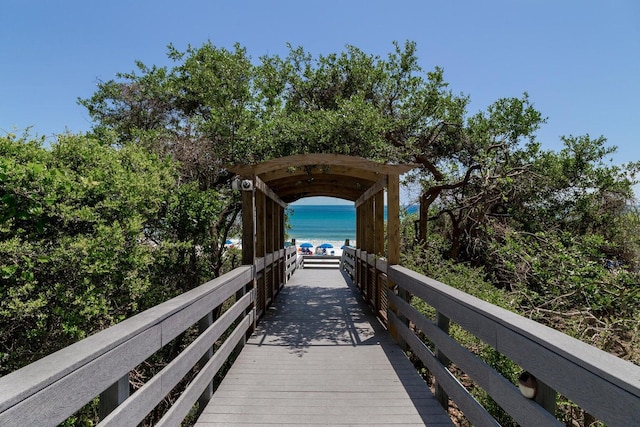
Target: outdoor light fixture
(241, 184)
(528, 385)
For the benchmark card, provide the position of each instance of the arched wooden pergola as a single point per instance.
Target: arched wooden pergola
(267, 187)
(55, 387)
(270, 185)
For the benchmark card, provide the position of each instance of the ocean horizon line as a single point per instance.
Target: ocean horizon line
(323, 222)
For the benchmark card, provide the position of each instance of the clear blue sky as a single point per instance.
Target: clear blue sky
(579, 60)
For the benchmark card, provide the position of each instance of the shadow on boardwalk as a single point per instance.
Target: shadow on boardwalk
(308, 314)
(320, 357)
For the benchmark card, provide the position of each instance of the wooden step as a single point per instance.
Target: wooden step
(320, 261)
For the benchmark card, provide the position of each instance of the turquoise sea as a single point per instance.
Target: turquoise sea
(327, 223)
(322, 222)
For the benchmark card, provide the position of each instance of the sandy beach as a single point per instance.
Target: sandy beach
(337, 245)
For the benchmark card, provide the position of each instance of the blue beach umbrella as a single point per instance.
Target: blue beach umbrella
(306, 245)
(326, 246)
(228, 242)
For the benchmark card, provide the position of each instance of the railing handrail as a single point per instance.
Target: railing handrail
(46, 371)
(53, 388)
(622, 373)
(48, 391)
(604, 385)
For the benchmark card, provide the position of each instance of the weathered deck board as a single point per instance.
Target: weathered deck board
(319, 357)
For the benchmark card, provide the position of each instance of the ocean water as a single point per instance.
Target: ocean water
(317, 224)
(331, 223)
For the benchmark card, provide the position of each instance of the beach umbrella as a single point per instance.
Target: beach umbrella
(228, 242)
(306, 245)
(326, 246)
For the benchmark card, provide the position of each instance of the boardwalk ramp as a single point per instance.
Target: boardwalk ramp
(319, 357)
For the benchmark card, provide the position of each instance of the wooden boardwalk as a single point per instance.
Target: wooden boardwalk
(320, 357)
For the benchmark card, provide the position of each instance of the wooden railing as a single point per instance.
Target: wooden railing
(605, 386)
(272, 271)
(50, 390)
(369, 273)
(47, 392)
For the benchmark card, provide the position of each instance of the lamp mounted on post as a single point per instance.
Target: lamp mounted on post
(239, 184)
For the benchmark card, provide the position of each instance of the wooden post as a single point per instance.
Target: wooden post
(356, 261)
(248, 227)
(379, 224)
(206, 395)
(279, 245)
(370, 226)
(261, 231)
(248, 246)
(113, 396)
(393, 246)
(379, 245)
(261, 227)
(268, 269)
(546, 397)
(367, 247)
(281, 229)
(393, 219)
(443, 323)
(357, 225)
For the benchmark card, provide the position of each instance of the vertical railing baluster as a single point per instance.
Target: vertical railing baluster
(442, 322)
(206, 395)
(113, 396)
(546, 397)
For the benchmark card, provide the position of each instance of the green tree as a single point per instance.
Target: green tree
(203, 111)
(484, 177)
(576, 190)
(74, 239)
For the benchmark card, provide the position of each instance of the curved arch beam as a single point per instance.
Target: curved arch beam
(302, 160)
(320, 174)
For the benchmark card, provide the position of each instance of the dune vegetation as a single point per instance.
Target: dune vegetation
(97, 227)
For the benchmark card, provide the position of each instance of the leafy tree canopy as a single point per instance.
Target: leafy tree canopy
(217, 107)
(484, 179)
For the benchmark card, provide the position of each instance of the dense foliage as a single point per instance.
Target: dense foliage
(89, 235)
(97, 227)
